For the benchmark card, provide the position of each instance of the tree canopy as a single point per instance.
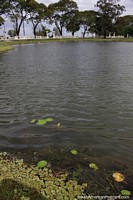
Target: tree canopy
(18, 12)
(37, 14)
(109, 11)
(61, 12)
(124, 25)
(64, 15)
(87, 20)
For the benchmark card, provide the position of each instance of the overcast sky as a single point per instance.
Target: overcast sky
(82, 4)
(89, 4)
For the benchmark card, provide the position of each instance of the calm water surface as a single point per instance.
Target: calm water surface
(86, 86)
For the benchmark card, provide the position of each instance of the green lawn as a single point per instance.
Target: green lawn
(5, 46)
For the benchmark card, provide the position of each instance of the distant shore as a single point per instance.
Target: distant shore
(9, 45)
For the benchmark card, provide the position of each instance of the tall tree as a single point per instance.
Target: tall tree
(87, 20)
(37, 14)
(18, 12)
(73, 23)
(124, 25)
(108, 11)
(60, 12)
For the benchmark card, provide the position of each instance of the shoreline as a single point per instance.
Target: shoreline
(9, 44)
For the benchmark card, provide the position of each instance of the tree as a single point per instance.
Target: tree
(4, 4)
(37, 14)
(56, 32)
(124, 25)
(60, 12)
(108, 11)
(12, 33)
(1, 21)
(87, 20)
(42, 31)
(73, 23)
(18, 11)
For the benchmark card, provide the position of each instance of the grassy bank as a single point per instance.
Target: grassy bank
(8, 45)
(5, 46)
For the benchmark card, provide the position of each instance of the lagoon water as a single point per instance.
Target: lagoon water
(87, 87)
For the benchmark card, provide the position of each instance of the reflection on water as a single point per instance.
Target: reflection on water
(86, 86)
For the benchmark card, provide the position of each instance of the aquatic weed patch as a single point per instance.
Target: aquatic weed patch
(85, 167)
(19, 181)
(58, 174)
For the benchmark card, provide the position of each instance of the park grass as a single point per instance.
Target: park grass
(9, 45)
(4, 46)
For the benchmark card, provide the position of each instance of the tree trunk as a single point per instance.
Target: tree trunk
(16, 27)
(85, 29)
(84, 34)
(34, 27)
(73, 33)
(19, 26)
(34, 31)
(23, 29)
(60, 31)
(105, 34)
(17, 32)
(59, 28)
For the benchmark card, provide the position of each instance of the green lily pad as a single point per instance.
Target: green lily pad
(93, 166)
(33, 121)
(41, 122)
(49, 119)
(125, 193)
(74, 152)
(42, 164)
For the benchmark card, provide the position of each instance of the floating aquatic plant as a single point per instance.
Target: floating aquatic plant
(74, 152)
(33, 121)
(41, 121)
(58, 125)
(93, 166)
(42, 164)
(31, 182)
(125, 193)
(49, 119)
(118, 177)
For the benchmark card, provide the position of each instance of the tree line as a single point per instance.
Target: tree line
(65, 15)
